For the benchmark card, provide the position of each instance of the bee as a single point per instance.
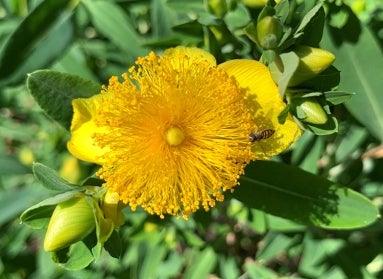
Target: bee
(260, 135)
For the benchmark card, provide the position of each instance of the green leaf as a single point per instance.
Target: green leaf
(289, 192)
(112, 22)
(324, 81)
(338, 97)
(312, 157)
(330, 127)
(350, 141)
(154, 256)
(51, 180)
(257, 271)
(203, 263)
(75, 62)
(113, 245)
(192, 239)
(313, 30)
(54, 92)
(283, 69)
(40, 38)
(12, 203)
(11, 165)
(308, 17)
(228, 267)
(161, 19)
(282, 10)
(359, 59)
(190, 28)
(76, 257)
(273, 244)
(44, 209)
(238, 17)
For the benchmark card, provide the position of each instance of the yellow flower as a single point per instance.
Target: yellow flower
(174, 134)
(265, 103)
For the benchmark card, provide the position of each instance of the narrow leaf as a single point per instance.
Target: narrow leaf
(12, 203)
(44, 209)
(161, 19)
(112, 22)
(289, 192)
(40, 28)
(154, 257)
(203, 263)
(359, 59)
(54, 92)
(50, 179)
(308, 17)
(11, 165)
(337, 97)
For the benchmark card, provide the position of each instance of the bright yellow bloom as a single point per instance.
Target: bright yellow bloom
(174, 134)
(265, 103)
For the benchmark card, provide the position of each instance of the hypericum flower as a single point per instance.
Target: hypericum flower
(265, 103)
(174, 134)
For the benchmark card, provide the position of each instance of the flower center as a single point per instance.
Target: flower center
(174, 136)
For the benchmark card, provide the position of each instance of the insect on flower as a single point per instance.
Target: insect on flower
(256, 135)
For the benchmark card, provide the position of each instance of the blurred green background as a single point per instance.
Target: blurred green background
(96, 39)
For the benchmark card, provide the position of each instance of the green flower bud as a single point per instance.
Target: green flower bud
(312, 61)
(70, 222)
(256, 3)
(309, 110)
(269, 32)
(217, 7)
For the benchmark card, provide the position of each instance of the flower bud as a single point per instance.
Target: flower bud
(71, 221)
(310, 111)
(256, 3)
(312, 61)
(112, 209)
(269, 32)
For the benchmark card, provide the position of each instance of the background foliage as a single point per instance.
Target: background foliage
(99, 38)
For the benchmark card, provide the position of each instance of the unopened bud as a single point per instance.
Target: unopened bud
(112, 209)
(70, 222)
(310, 111)
(269, 32)
(256, 3)
(312, 62)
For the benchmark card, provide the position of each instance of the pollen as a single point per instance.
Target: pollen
(176, 133)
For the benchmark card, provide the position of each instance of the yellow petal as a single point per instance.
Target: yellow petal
(265, 104)
(192, 52)
(83, 128)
